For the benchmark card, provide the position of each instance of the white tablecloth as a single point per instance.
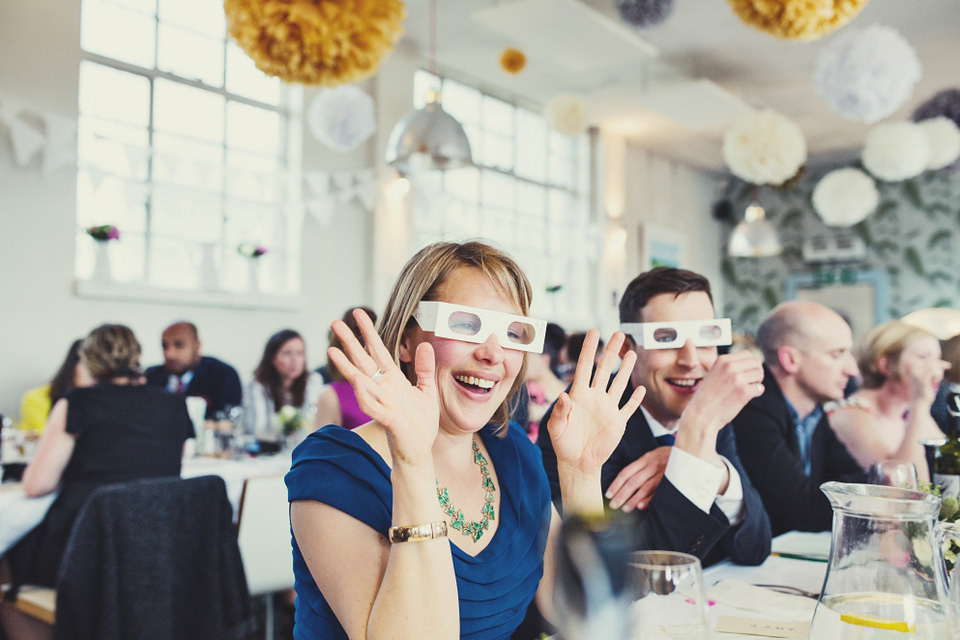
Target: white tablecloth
(20, 514)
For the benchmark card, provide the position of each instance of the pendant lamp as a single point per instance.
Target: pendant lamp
(755, 236)
(429, 138)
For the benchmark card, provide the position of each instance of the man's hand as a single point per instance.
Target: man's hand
(634, 485)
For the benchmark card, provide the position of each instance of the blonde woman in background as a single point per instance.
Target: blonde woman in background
(889, 416)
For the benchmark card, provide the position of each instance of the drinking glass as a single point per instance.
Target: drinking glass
(902, 475)
(670, 600)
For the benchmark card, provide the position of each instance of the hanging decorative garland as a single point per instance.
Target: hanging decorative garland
(945, 103)
(797, 19)
(644, 13)
(944, 139)
(764, 147)
(317, 42)
(867, 74)
(566, 113)
(845, 197)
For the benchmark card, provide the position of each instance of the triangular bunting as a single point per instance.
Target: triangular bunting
(26, 141)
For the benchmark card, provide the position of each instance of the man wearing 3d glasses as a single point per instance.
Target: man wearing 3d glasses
(676, 466)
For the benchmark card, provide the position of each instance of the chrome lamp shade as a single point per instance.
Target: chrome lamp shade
(755, 236)
(428, 139)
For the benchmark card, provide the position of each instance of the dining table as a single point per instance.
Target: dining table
(20, 514)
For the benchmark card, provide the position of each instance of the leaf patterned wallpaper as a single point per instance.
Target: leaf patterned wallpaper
(914, 235)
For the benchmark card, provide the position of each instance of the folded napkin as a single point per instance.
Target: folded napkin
(748, 597)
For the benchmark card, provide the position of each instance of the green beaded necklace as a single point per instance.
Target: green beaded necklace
(473, 529)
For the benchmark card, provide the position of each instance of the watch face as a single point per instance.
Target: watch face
(953, 404)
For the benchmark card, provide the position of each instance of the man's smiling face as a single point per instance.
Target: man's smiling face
(671, 376)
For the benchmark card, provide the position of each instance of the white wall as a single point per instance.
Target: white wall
(39, 55)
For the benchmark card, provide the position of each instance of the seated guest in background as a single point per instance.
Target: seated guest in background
(575, 345)
(380, 549)
(185, 371)
(783, 437)
(115, 431)
(560, 363)
(543, 385)
(950, 384)
(889, 417)
(36, 403)
(281, 398)
(338, 403)
(677, 461)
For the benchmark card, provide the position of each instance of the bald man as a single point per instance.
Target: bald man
(185, 371)
(783, 437)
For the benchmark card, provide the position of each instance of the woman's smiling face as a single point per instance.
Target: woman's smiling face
(472, 379)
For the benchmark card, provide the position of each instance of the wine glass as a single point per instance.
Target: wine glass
(670, 599)
(893, 474)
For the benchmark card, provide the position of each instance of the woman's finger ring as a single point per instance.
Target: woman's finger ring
(759, 389)
(376, 375)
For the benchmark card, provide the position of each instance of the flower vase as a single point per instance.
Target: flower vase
(253, 275)
(101, 263)
(208, 267)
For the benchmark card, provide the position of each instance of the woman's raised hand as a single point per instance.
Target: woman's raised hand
(587, 422)
(409, 413)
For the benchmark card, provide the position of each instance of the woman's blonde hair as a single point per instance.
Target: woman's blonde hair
(111, 351)
(887, 340)
(421, 279)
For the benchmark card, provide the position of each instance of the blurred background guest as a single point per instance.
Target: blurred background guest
(117, 430)
(282, 396)
(338, 402)
(561, 365)
(36, 403)
(950, 384)
(889, 417)
(543, 384)
(185, 370)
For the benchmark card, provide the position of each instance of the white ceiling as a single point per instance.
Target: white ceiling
(582, 46)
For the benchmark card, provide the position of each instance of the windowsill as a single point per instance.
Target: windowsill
(136, 292)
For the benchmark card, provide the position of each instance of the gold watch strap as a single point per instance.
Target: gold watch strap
(415, 533)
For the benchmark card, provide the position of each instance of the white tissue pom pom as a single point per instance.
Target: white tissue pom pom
(566, 113)
(896, 151)
(342, 118)
(867, 74)
(943, 137)
(845, 197)
(764, 147)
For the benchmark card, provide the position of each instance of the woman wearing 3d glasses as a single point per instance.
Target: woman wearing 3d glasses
(434, 520)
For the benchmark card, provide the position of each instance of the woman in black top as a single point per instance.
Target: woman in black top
(115, 431)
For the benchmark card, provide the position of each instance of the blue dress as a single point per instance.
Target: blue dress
(338, 468)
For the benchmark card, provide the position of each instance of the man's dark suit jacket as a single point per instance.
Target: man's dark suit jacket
(671, 522)
(213, 380)
(769, 449)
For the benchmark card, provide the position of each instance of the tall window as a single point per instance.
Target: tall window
(528, 192)
(184, 145)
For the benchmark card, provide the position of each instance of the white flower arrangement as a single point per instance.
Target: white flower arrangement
(943, 137)
(896, 151)
(566, 113)
(844, 197)
(764, 147)
(867, 74)
(342, 118)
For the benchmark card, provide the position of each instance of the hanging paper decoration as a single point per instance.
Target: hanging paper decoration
(945, 103)
(896, 151)
(845, 197)
(797, 19)
(342, 118)
(867, 74)
(644, 13)
(513, 60)
(318, 42)
(566, 113)
(764, 147)
(943, 137)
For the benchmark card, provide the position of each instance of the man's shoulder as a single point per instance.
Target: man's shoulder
(209, 364)
(156, 375)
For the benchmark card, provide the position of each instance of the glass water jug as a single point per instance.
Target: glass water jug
(886, 578)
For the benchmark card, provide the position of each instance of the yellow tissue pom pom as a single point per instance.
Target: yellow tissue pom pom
(513, 60)
(797, 19)
(316, 42)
